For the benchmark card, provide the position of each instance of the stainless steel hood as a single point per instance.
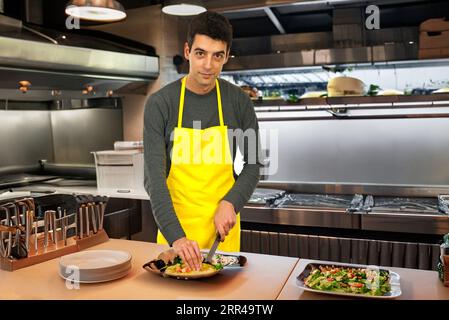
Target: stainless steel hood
(49, 64)
(319, 57)
(286, 34)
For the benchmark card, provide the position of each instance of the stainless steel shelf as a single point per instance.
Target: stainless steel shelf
(437, 224)
(358, 107)
(301, 217)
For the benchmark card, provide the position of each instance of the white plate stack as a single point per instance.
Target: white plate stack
(93, 266)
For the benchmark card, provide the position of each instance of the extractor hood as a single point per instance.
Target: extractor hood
(288, 34)
(68, 63)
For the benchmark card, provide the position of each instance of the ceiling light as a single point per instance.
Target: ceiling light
(96, 10)
(24, 83)
(24, 86)
(183, 7)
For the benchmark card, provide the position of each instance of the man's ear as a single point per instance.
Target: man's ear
(186, 51)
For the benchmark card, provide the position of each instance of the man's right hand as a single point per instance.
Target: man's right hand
(189, 251)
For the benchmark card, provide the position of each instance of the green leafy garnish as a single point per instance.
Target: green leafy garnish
(177, 260)
(373, 90)
(218, 266)
(349, 280)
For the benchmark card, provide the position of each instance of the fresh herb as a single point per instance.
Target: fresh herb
(292, 98)
(373, 90)
(177, 260)
(336, 69)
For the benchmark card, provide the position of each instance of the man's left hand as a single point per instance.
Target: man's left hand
(225, 218)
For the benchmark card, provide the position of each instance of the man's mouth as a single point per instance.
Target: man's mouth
(206, 75)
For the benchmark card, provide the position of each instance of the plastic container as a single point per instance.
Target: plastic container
(119, 171)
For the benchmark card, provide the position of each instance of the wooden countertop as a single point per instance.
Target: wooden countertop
(265, 277)
(262, 278)
(415, 285)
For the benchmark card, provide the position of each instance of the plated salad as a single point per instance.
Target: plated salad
(365, 281)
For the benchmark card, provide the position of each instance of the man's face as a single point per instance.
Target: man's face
(207, 57)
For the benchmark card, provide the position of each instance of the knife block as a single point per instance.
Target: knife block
(53, 251)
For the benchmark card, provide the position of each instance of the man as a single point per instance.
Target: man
(189, 174)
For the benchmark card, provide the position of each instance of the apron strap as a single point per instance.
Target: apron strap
(181, 102)
(220, 109)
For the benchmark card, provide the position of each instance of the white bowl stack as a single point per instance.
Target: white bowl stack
(93, 266)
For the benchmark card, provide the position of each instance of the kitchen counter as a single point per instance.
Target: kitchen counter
(262, 278)
(139, 195)
(415, 285)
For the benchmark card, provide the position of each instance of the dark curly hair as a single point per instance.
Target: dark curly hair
(210, 24)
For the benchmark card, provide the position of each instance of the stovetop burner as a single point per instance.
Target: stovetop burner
(315, 200)
(353, 203)
(409, 205)
(264, 196)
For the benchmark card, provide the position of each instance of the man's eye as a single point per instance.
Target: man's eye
(219, 56)
(200, 53)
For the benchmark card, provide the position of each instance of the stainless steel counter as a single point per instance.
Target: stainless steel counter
(301, 217)
(382, 219)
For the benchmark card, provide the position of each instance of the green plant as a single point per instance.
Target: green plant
(373, 90)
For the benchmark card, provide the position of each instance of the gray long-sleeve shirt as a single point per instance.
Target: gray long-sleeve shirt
(160, 119)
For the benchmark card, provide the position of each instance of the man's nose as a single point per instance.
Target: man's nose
(208, 62)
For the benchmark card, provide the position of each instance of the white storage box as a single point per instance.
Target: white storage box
(120, 171)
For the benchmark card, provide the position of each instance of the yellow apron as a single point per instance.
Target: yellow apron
(201, 174)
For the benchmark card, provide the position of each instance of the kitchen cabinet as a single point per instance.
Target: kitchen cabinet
(123, 217)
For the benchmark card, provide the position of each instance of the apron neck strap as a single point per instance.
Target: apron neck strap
(181, 102)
